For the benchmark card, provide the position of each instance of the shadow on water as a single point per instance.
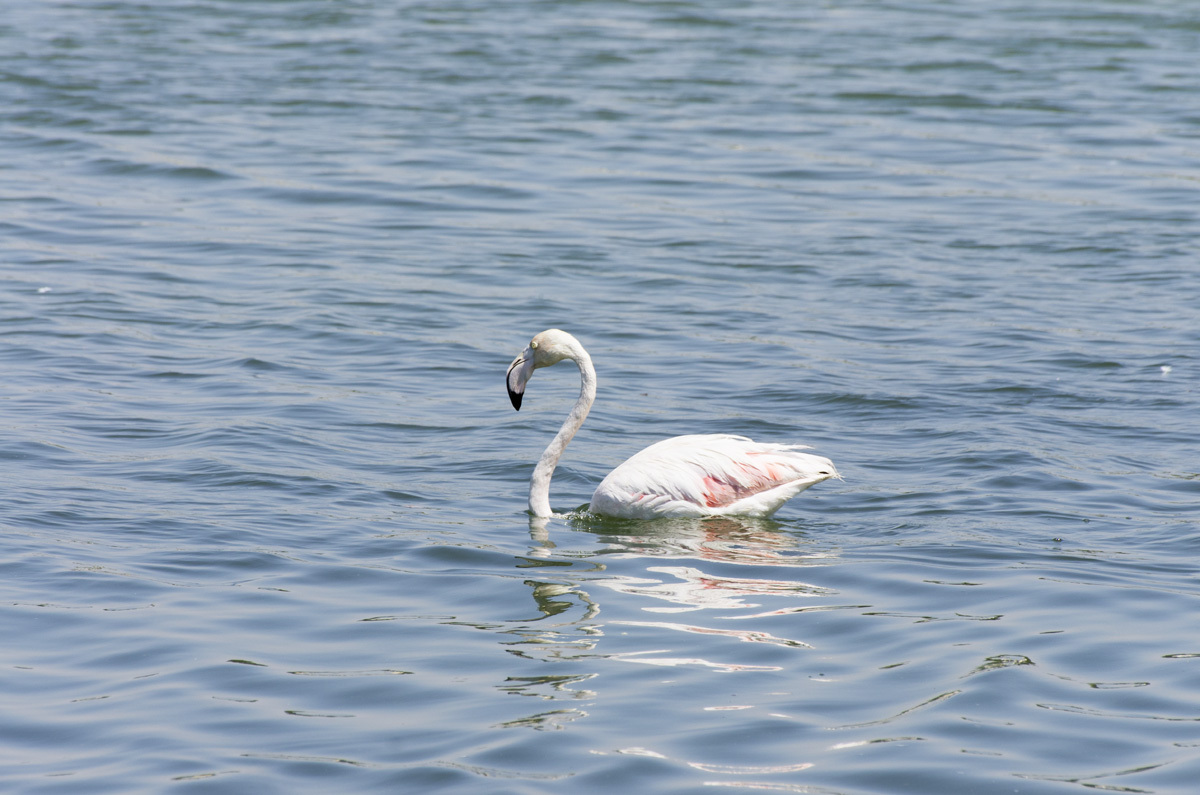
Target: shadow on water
(729, 539)
(619, 602)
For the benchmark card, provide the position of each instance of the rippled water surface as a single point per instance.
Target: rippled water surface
(264, 265)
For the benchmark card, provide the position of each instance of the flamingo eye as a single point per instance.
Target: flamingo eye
(533, 345)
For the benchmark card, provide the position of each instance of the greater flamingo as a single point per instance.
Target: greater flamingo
(699, 475)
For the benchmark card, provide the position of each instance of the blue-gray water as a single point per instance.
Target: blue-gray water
(264, 265)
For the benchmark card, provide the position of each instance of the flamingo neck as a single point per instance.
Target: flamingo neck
(539, 484)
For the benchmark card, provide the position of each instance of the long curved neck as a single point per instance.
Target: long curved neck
(539, 484)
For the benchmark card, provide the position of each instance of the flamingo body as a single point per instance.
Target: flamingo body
(709, 475)
(698, 475)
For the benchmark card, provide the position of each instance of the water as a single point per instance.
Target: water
(265, 264)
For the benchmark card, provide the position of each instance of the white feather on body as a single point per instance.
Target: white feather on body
(709, 475)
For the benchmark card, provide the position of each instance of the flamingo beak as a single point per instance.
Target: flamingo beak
(519, 373)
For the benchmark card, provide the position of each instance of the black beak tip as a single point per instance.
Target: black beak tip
(515, 397)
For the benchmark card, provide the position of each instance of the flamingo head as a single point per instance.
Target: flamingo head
(549, 347)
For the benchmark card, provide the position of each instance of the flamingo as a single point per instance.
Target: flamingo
(697, 475)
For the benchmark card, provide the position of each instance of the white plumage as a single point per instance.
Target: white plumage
(698, 475)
